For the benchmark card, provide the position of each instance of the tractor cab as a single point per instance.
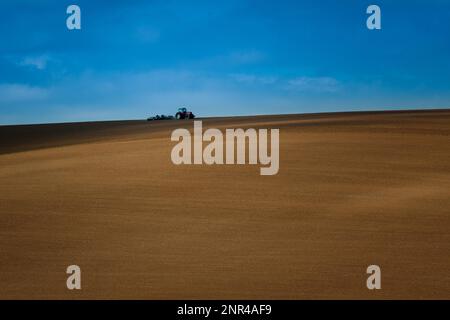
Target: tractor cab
(183, 113)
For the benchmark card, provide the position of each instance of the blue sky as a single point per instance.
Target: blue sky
(132, 59)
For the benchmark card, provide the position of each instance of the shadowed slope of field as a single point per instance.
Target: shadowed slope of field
(354, 189)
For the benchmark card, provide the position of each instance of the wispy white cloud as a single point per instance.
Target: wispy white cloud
(39, 62)
(21, 93)
(311, 84)
(253, 79)
(299, 84)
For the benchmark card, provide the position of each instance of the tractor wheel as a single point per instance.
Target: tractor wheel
(191, 116)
